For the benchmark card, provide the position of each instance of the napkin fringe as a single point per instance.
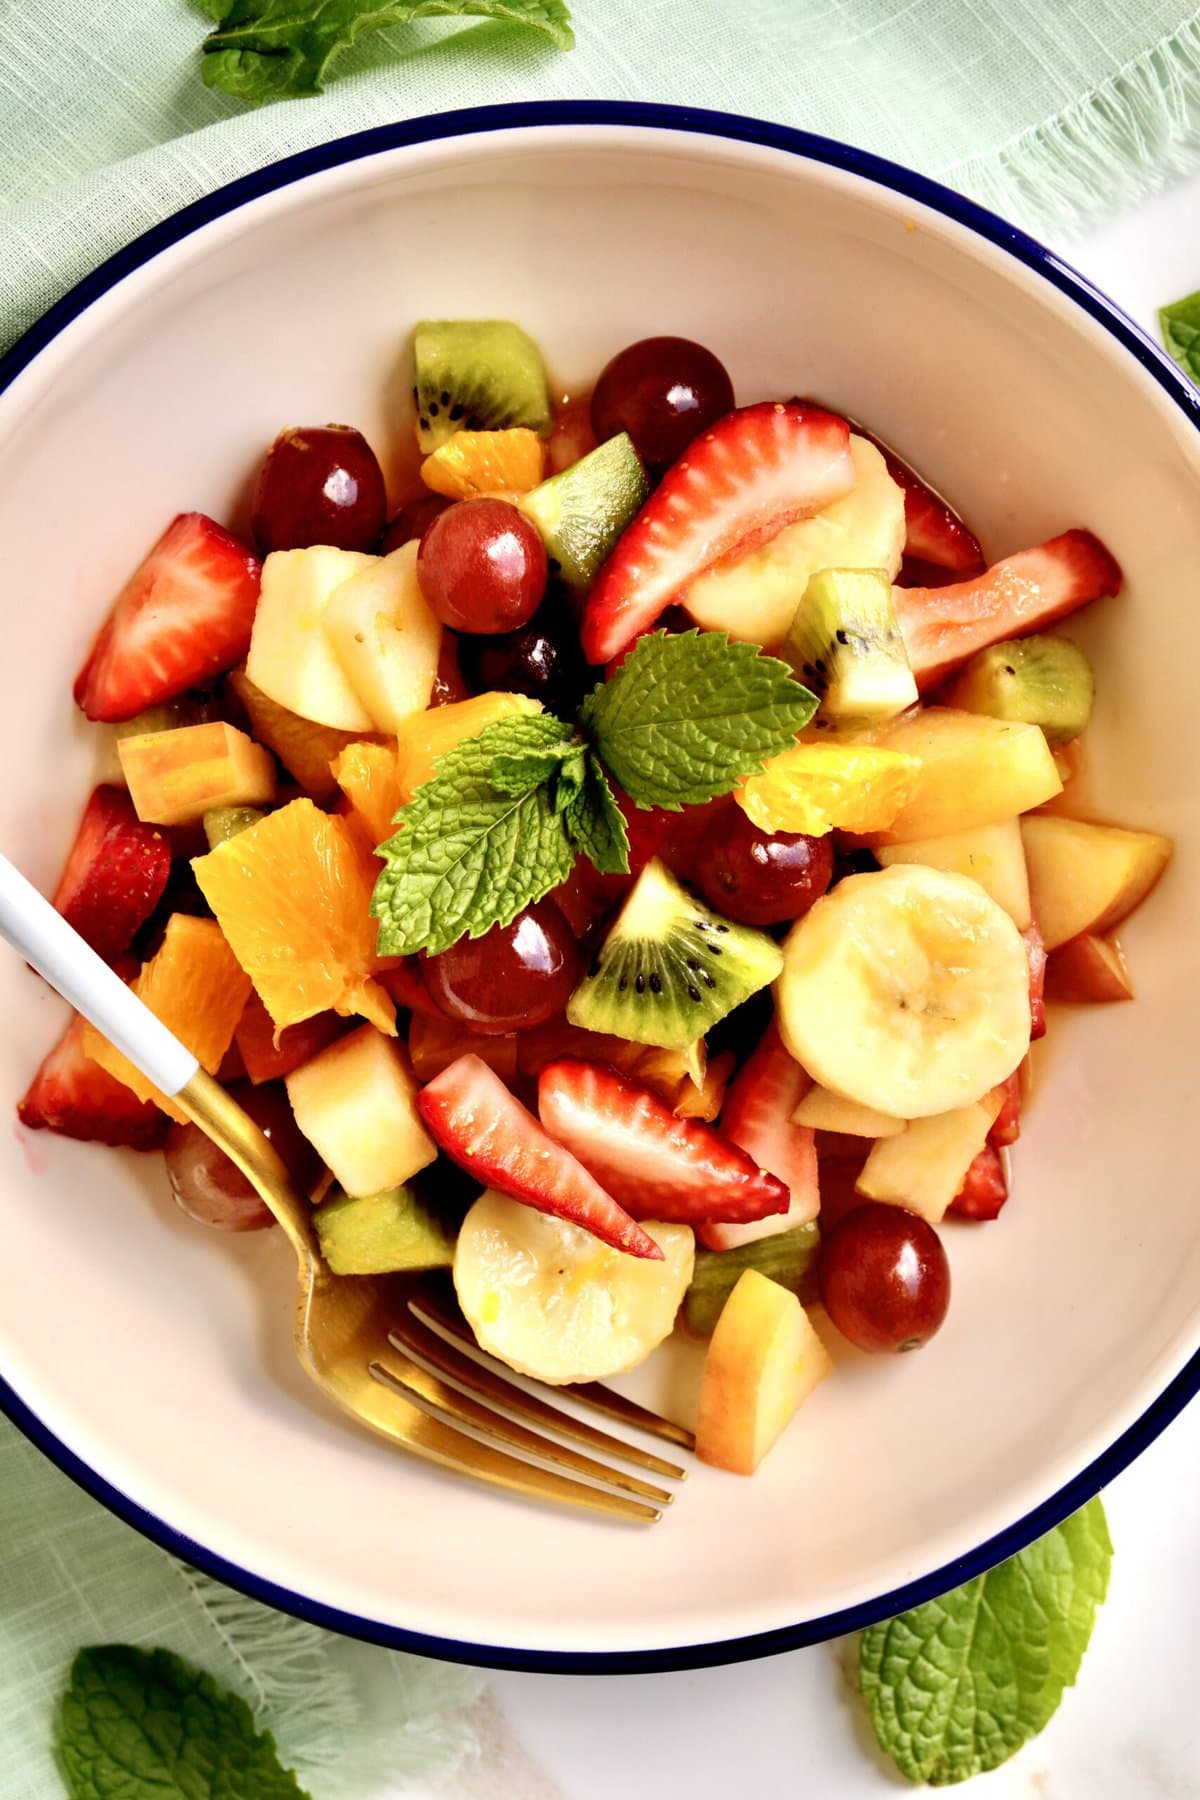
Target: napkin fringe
(1112, 146)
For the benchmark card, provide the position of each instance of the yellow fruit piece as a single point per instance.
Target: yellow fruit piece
(194, 985)
(290, 657)
(972, 771)
(816, 787)
(355, 1102)
(923, 1166)
(175, 777)
(292, 894)
(470, 463)
(703, 1102)
(1087, 878)
(305, 750)
(368, 775)
(428, 735)
(763, 1361)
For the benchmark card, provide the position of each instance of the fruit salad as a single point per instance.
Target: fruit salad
(621, 863)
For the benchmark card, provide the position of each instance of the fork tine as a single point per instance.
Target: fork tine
(421, 1342)
(590, 1393)
(428, 1391)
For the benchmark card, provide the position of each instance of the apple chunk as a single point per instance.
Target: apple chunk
(1086, 878)
(386, 637)
(992, 855)
(175, 777)
(356, 1104)
(763, 1361)
(291, 660)
(971, 771)
(924, 1167)
(1088, 970)
(823, 1110)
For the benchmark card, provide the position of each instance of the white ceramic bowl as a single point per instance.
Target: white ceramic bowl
(150, 1357)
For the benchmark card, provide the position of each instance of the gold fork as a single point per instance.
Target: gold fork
(380, 1346)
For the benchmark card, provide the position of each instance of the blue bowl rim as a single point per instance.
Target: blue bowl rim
(474, 121)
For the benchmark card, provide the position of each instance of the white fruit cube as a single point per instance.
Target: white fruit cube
(355, 1103)
(1087, 877)
(992, 855)
(291, 660)
(823, 1110)
(924, 1167)
(386, 638)
(763, 1361)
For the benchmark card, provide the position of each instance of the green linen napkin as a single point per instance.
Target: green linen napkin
(1050, 112)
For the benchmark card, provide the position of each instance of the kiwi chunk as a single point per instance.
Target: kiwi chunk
(225, 822)
(476, 375)
(583, 511)
(669, 968)
(788, 1257)
(381, 1234)
(1040, 680)
(845, 645)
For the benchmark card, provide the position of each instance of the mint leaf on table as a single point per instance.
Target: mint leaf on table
(1180, 327)
(468, 855)
(282, 49)
(956, 1686)
(685, 717)
(145, 1725)
(596, 824)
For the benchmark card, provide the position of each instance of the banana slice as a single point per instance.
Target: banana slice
(907, 991)
(553, 1302)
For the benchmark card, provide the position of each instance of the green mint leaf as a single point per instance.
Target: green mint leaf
(517, 772)
(596, 824)
(572, 775)
(468, 855)
(144, 1723)
(686, 717)
(956, 1686)
(282, 49)
(1180, 327)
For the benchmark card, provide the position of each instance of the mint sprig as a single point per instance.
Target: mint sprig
(956, 1686)
(144, 1722)
(1180, 327)
(506, 813)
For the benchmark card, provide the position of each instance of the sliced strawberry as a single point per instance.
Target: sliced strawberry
(475, 1119)
(1035, 956)
(114, 875)
(183, 616)
(74, 1096)
(757, 1115)
(264, 1059)
(657, 1165)
(943, 626)
(984, 1189)
(1006, 1127)
(757, 470)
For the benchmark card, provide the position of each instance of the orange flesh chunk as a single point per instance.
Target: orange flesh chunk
(369, 776)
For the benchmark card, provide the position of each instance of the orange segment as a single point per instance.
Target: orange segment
(816, 788)
(292, 894)
(305, 750)
(369, 776)
(194, 985)
(427, 735)
(471, 463)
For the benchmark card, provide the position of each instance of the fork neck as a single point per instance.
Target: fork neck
(232, 1130)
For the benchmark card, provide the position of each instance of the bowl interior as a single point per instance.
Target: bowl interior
(159, 1352)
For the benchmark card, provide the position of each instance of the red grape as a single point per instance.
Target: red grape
(543, 660)
(319, 484)
(513, 977)
(411, 520)
(885, 1280)
(664, 391)
(757, 877)
(211, 1188)
(482, 566)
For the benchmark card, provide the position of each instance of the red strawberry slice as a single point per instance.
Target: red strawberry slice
(757, 470)
(183, 616)
(475, 1119)
(757, 1115)
(984, 1189)
(263, 1058)
(943, 626)
(1035, 956)
(658, 1166)
(115, 873)
(1006, 1127)
(74, 1096)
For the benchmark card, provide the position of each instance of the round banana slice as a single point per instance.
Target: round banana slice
(552, 1301)
(906, 990)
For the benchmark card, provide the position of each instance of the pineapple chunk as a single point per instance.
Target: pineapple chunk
(923, 1167)
(992, 855)
(428, 735)
(823, 1110)
(305, 750)
(291, 660)
(386, 637)
(763, 1361)
(1086, 878)
(355, 1103)
(971, 771)
(175, 777)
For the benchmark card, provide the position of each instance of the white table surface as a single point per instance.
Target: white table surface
(784, 1725)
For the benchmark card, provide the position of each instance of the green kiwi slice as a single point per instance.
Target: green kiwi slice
(670, 968)
(845, 645)
(582, 511)
(788, 1257)
(1038, 680)
(476, 375)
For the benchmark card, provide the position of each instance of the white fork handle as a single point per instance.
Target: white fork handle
(57, 951)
